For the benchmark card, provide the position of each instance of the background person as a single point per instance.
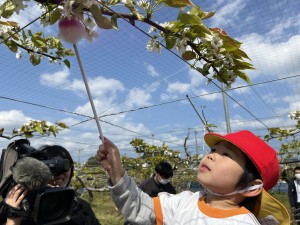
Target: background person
(81, 211)
(159, 181)
(294, 194)
(237, 174)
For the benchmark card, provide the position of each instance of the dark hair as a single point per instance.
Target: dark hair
(49, 151)
(164, 169)
(250, 174)
(296, 168)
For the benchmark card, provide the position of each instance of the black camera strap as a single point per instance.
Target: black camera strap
(12, 212)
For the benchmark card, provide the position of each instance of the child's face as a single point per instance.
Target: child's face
(221, 169)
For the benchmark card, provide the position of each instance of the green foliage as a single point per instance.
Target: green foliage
(28, 130)
(291, 146)
(220, 54)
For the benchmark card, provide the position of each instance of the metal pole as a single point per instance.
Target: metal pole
(226, 108)
(89, 93)
(197, 152)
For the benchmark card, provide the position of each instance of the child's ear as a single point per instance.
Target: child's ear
(255, 192)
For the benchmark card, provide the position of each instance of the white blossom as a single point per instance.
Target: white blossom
(19, 6)
(168, 153)
(143, 4)
(151, 29)
(182, 44)
(67, 10)
(153, 46)
(19, 54)
(216, 42)
(89, 3)
(91, 35)
(45, 21)
(126, 1)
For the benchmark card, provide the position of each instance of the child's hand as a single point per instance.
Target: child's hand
(109, 157)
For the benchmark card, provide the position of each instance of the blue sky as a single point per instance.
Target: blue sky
(142, 94)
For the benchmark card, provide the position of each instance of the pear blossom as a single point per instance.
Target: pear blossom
(67, 10)
(19, 54)
(89, 3)
(143, 4)
(151, 29)
(19, 6)
(182, 44)
(216, 42)
(91, 35)
(153, 46)
(126, 1)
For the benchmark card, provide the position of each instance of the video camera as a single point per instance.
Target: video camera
(22, 164)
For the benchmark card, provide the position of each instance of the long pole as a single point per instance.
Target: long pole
(89, 93)
(197, 152)
(226, 109)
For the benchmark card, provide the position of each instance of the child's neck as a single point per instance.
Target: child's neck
(223, 202)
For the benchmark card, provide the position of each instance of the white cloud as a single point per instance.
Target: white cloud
(57, 79)
(152, 71)
(271, 59)
(13, 119)
(138, 97)
(226, 14)
(99, 86)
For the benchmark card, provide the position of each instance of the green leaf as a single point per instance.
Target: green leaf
(170, 42)
(30, 33)
(240, 54)
(188, 55)
(207, 66)
(67, 63)
(114, 21)
(200, 30)
(202, 71)
(39, 129)
(38, 41)
(61, 124)
(101, 21)
(55, 15)
(9, 23)
(241, 65)
(229, 43)
(197, 11)
(34, 59)
(12, 45)
(7, 9)
(176, 3)
(190, 19)
(243, 76)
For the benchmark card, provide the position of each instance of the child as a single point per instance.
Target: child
(237, 174)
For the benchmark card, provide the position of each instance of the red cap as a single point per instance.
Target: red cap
(261, 154)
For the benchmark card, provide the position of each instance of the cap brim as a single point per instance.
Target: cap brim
(212, 139)
(271, 207)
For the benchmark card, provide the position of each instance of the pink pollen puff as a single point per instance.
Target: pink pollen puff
(71, 30)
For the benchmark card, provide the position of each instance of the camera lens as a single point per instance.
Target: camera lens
(53, 205)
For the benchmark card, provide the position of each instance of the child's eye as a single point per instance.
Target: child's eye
(213, 150)
(227, 155)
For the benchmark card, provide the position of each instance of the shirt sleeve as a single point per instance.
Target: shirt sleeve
(136, 206)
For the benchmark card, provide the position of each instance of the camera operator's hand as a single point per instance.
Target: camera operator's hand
(14, 199)
(15, 196)
(109, 157)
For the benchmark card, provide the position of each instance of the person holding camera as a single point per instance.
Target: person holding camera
(81, 212)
